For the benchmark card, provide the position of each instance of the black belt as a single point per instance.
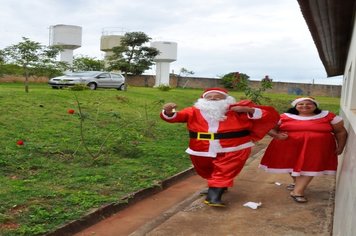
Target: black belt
(212, 136)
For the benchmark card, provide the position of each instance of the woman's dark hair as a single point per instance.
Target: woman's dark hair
(294, 111)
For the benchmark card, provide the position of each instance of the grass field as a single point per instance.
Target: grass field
(72, 163)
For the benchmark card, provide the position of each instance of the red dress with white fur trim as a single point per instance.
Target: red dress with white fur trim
(309, 149)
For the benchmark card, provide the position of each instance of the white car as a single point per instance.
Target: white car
(92, 79)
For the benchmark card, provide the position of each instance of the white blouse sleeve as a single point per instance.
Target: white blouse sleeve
(336, 120)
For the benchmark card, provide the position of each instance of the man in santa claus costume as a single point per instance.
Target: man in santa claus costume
(221, 133)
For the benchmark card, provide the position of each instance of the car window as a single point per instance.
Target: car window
(82, 74)
(103, 75)
(116, 76)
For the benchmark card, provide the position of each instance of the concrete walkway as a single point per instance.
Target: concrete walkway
(179, 210)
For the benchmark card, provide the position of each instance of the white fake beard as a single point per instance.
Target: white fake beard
(214, 109)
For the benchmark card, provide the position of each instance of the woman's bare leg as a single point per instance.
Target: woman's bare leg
(301, 183)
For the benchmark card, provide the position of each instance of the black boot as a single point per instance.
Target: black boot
(205, 191)
(214, 197)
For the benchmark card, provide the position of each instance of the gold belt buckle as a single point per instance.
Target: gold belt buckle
(203, 133)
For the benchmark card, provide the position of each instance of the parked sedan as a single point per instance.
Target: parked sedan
(92, 79)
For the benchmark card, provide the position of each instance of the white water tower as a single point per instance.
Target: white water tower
(108, 42)
(69, 37)
(110, 38)
(168, 54)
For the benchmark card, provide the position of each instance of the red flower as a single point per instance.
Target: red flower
(20, 142)
(71, 111)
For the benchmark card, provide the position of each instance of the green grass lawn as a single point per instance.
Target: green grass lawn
(63, 171)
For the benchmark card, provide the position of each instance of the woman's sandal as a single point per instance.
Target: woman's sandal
(290, 187)
(299, 199)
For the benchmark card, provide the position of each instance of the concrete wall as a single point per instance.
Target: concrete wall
(278, 87)
(202, 83)
(303, 89)
(345, 195)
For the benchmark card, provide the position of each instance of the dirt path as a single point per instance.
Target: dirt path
(130, 219)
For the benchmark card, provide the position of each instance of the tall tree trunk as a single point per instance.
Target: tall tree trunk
(26, 80)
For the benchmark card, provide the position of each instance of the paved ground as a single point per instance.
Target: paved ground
(179, 210)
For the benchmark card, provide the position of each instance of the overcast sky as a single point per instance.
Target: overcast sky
(214, 37)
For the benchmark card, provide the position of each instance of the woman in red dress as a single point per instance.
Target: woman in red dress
(306, 143)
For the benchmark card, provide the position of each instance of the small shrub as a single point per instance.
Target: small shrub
(122, 99)
(163, 87)
(79, 87)
(128, 147)
(239, 81)
(232, 81)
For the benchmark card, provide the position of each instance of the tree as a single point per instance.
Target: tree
(240, 82)
(85, 63)
(2, 57)
(232, 81)
(2, 62)
(185, 72)
(131, 57)
(32, 55)
(255, 94)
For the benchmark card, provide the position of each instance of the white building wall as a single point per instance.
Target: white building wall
(345, 196)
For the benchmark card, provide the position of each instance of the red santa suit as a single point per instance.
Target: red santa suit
(219, 149)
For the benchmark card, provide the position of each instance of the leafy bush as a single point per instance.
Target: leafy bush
(239, 81)
(79, 87)
(230, 81)
(163, 87)
(11, 69)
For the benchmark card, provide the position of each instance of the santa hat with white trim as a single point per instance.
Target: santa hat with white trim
(215, 90)
(296, 101)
